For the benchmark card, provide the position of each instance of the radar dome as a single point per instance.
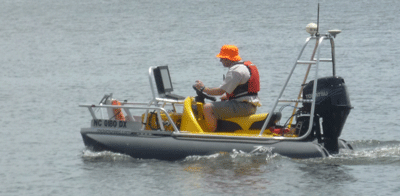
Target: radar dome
(311, 28)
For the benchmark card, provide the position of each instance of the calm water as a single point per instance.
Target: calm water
(57, 54)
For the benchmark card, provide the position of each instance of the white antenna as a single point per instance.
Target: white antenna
(334, 32)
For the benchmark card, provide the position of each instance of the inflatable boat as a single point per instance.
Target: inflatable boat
(172, 127)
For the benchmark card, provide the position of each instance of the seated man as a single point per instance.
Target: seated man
(239, 89)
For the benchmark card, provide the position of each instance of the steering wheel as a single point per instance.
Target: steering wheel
(201, 96)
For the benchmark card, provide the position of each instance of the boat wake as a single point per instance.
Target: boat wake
(261, 154)
(365, 152)
(89, 155)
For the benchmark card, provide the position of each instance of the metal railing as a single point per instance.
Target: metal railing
(128, 108)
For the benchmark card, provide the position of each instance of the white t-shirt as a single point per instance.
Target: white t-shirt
(237, 75)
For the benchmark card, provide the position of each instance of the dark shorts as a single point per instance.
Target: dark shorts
(233, 108)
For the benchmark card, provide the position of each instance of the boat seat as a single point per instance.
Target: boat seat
(252, 122)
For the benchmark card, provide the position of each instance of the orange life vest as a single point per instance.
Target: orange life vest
(251, 87)
(118, 112)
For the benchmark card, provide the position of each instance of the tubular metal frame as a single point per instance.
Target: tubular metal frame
(158, 109)
(319, 40)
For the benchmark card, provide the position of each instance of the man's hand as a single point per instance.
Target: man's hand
(224, 97)
(199, 85)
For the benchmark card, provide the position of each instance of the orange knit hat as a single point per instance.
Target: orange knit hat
(230, 52)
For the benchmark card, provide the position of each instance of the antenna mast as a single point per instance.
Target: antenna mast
(317, 34)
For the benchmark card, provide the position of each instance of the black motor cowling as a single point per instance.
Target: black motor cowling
(332, 105)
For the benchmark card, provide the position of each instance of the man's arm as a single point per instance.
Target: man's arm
(214, 91)
(210, 91)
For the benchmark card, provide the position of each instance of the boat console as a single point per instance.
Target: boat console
(163, 81)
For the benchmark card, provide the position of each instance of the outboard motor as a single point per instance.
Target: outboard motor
(332, 105)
